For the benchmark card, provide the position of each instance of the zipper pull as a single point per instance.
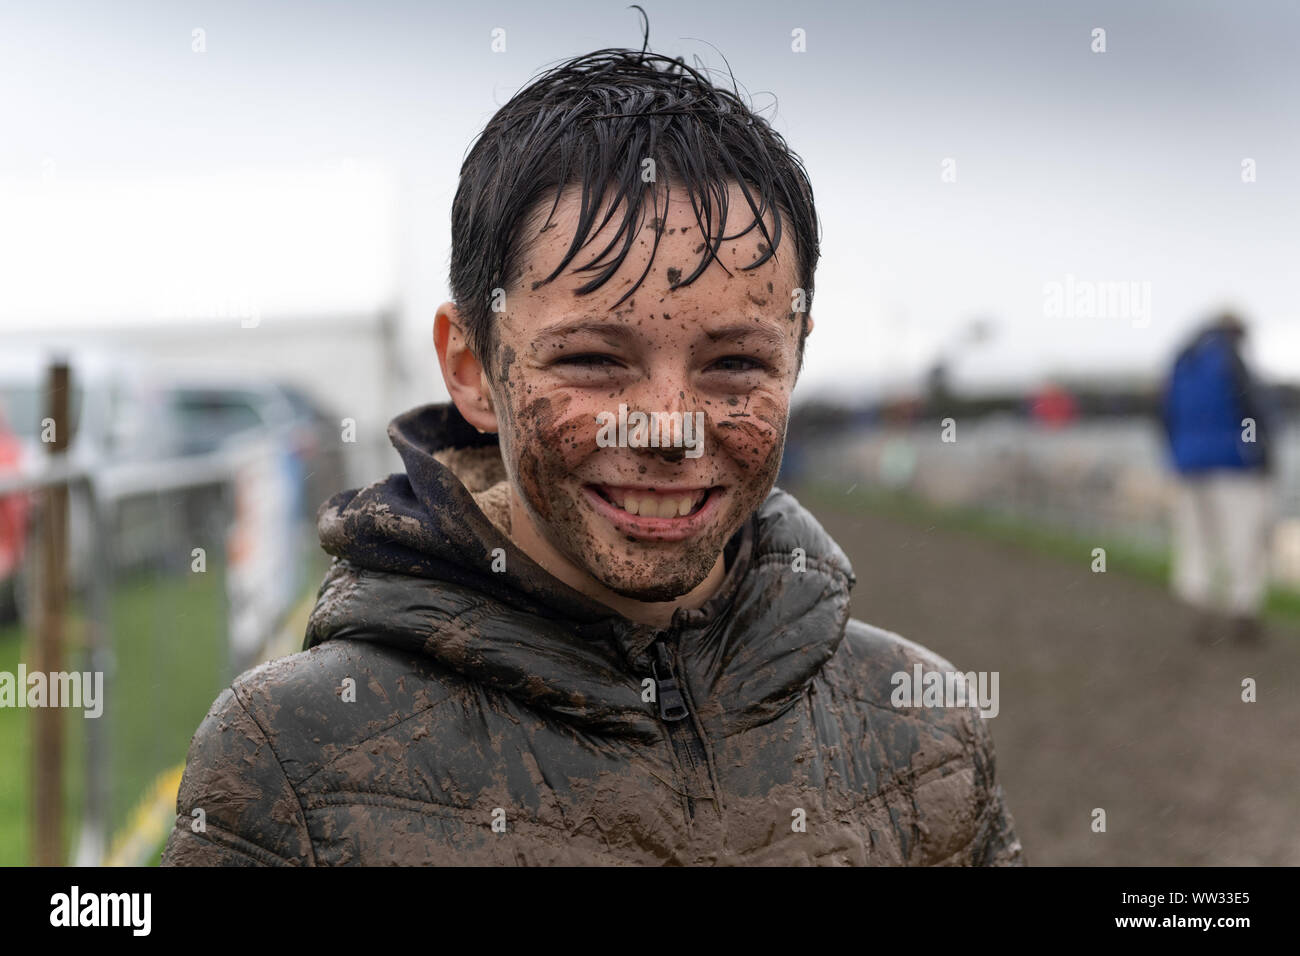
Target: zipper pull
(672, 706)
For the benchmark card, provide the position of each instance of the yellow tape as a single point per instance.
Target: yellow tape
(149, 822)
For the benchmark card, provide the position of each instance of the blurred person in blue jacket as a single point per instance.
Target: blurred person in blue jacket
(1220, 435)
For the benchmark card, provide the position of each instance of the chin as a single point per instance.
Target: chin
(656, 571)
(659, 591)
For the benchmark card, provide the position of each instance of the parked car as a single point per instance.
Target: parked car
(212, 410)
(13, 524)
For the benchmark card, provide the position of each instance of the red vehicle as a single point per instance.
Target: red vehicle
(13, 523)
(1054, 406)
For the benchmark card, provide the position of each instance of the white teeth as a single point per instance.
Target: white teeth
(656, 506)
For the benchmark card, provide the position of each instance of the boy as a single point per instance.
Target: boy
(583, 628)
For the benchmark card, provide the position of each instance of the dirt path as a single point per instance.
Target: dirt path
(1105, 700)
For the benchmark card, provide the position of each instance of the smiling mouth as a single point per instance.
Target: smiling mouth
(653, 503)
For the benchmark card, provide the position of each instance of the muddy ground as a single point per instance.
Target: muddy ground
(1106, 701)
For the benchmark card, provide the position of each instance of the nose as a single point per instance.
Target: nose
(672, 403)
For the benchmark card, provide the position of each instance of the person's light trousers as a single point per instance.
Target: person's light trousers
(1222, 535)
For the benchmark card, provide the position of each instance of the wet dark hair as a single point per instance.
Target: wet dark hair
(591, 121)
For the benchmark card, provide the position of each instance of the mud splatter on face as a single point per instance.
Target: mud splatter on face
(554, 451)
(555, 384)
(548, 443)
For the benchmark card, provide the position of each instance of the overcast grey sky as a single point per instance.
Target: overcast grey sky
(1122, 166)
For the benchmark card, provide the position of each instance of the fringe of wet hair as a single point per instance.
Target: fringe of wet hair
(591, 122)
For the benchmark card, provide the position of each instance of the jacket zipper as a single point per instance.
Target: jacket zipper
(672, 706)
(682, 733)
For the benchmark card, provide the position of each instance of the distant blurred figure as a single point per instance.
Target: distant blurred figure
(1219, 436)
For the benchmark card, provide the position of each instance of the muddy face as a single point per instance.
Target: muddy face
(645, 522)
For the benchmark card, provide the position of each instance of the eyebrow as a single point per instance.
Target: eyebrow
(584, 323)
(730, 333)
(595, 325)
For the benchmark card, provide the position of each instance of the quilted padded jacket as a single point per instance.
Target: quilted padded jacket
(443, 712)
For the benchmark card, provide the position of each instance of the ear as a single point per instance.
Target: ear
(466, 381)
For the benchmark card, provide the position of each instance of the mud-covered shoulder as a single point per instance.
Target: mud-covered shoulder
(784, 525)
(942, 755)
(240, 801)
(873, 655)
(866, 669)
(316, 705)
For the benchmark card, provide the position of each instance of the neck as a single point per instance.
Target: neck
(655, 613)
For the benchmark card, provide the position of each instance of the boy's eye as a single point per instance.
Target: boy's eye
(595, 360)
(587, 360)
(737, 363)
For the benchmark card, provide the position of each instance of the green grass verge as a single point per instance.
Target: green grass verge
(170, 647)
(1148, 564)
(169, 639)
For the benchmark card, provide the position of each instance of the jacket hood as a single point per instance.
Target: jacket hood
(413, 570)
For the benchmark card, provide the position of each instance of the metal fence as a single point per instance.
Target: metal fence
(163, 579)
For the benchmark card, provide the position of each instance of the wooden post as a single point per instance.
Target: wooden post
(47, 722)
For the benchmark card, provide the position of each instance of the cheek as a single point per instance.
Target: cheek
(552, 436)
(752, 434)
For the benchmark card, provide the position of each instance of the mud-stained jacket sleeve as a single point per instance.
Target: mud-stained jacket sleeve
(996, 842)
(250, 813)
